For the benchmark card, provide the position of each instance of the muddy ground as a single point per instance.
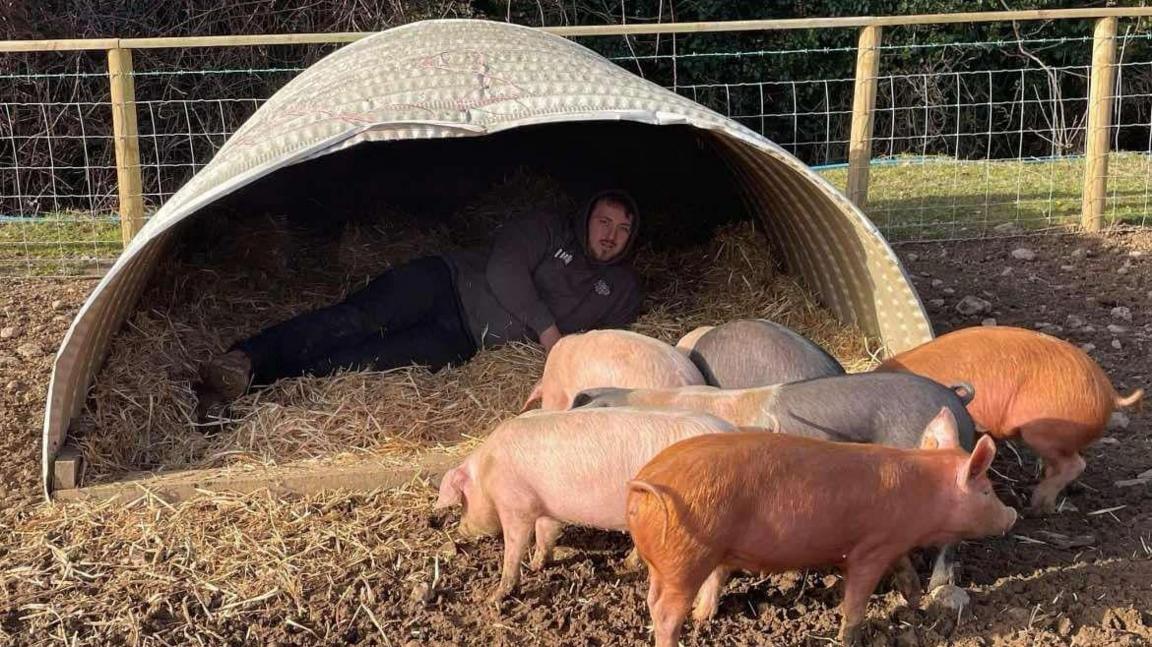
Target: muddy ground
(380, 569)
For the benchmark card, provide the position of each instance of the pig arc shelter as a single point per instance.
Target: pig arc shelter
(446, 79)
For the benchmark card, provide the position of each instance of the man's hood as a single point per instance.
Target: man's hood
(580, 224)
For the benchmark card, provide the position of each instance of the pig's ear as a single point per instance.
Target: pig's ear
(980, 460)
(941, 432)
(452, 487)
(535, 396)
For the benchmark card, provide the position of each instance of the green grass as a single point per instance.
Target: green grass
(70, 244)
(942, 198)
(909, 199)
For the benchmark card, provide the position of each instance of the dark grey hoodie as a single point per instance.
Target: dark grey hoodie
(538, 273)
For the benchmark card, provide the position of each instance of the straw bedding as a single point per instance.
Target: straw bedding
(239, 274)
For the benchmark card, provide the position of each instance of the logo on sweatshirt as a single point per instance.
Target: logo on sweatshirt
(602, 288)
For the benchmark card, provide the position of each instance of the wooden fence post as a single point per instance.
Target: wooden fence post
(1102, 80)
(128, 176)
(863, 110)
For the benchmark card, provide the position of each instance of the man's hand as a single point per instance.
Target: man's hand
(549, 337)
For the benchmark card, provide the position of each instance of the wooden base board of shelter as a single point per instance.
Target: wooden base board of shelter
(174, 487)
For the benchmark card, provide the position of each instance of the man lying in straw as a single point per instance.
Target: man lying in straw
(543, 277)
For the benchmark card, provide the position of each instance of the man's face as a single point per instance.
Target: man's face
(609, 228)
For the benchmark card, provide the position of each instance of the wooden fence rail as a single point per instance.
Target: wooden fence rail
(1103, 71)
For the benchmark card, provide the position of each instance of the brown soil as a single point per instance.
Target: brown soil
(354, 568)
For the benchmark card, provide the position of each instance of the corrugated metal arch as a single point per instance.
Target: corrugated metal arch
(467, 78)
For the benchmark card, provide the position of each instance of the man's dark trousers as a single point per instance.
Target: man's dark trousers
(410, 314)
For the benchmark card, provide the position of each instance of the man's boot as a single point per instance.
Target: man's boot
(223, 379)
(228, 374)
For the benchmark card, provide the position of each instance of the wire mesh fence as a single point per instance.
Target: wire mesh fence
(57, 170)
(59, 189)
(973, 137)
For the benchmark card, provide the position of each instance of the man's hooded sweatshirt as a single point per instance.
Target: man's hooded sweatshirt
(538, 272)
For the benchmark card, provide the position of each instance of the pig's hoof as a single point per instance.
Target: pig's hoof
(538, 563)
(703, 613)
(850, 636)
(1041, 508)
(951, 597)
(908, 585)
(494, 609)
(498, 596)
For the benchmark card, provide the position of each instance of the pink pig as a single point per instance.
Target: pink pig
(601, 358)
(544, 469)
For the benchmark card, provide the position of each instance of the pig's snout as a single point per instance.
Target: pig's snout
(465, 529)
(473, 530)
(996, 519)
(478, 523)
(1008, 518)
